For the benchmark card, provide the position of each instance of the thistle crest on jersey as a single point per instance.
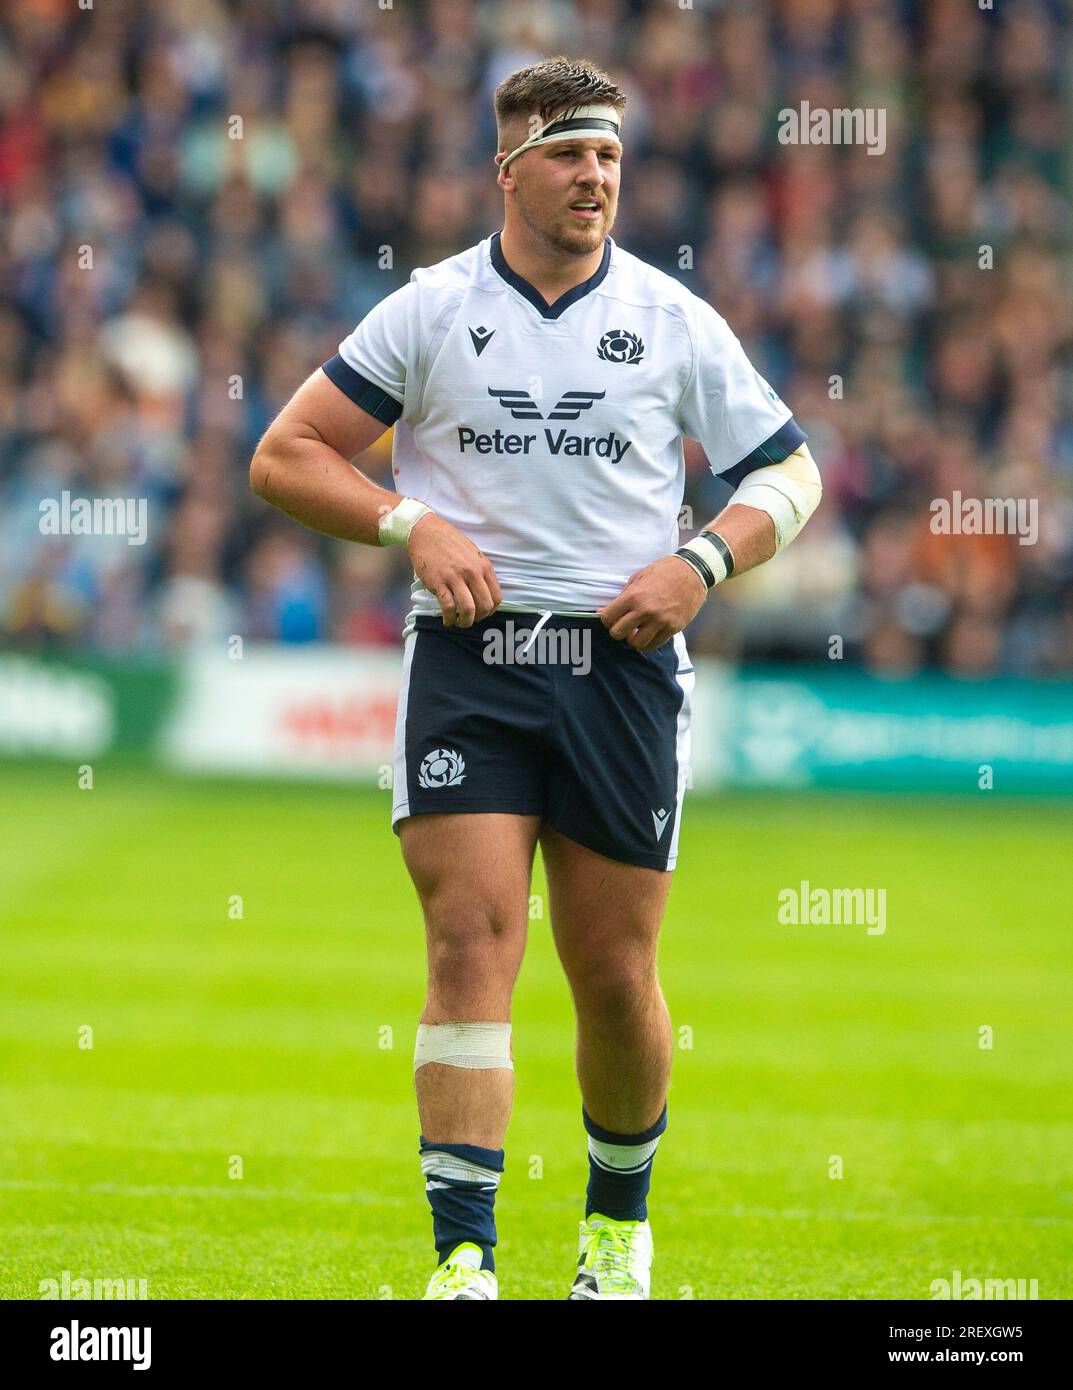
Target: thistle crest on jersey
(620, 346)
(443, 767)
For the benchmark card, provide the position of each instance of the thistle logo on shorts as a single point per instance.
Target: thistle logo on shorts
(620, 346)
(443, 767)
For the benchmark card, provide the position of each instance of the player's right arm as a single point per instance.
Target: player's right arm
(302, 465)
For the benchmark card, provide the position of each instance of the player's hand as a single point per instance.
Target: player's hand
(452, 568)
(657, 602)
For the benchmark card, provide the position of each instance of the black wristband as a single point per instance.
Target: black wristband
(723, 549)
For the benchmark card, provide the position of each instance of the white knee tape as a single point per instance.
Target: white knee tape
(476, 1046)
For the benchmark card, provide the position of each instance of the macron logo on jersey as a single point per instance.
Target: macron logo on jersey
(481, 338)
(522, 406)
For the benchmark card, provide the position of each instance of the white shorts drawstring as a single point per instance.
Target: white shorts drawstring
(532, 636)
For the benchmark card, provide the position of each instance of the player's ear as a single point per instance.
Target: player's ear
(504, 178)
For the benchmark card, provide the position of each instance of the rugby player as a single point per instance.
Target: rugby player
(540, 385)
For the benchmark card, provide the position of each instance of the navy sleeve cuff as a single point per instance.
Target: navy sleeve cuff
(362, 391)
(781, 444)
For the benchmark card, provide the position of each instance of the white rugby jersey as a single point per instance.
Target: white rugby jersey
(551, 435)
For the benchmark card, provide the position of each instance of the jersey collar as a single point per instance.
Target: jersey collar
(533, 295)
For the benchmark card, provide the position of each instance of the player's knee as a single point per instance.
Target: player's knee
(471, 947)
(462, 918)
(457, 956)
(614, 988)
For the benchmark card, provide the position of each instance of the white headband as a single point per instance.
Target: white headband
(578, 123)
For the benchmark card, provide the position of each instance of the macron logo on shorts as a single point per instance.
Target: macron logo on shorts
(443, 767)
(659, 820)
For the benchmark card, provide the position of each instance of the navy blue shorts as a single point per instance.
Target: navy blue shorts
(579, 729)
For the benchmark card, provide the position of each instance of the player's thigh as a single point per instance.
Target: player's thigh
(605, 914)
(472, 872)
(622, 738)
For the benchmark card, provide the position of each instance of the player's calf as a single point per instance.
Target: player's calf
(461, 1179)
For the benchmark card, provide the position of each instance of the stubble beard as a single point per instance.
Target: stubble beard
(558, 235)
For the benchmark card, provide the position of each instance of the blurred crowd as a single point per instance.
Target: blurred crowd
(200, 198)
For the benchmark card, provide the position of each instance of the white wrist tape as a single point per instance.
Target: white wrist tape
(711, 555)
(396, 526)
(789, 492)
(475, 1046)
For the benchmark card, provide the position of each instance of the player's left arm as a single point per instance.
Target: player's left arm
(728, 406)
(763, 516)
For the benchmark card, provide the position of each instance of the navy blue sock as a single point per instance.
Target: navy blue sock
(620, 1169)
(460, 1183)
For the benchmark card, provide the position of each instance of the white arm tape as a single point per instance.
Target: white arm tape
(789, 492)
(475, 1046)
(396, 525)
(711, 556)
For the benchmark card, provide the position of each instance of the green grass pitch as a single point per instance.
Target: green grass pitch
(266, 1038)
